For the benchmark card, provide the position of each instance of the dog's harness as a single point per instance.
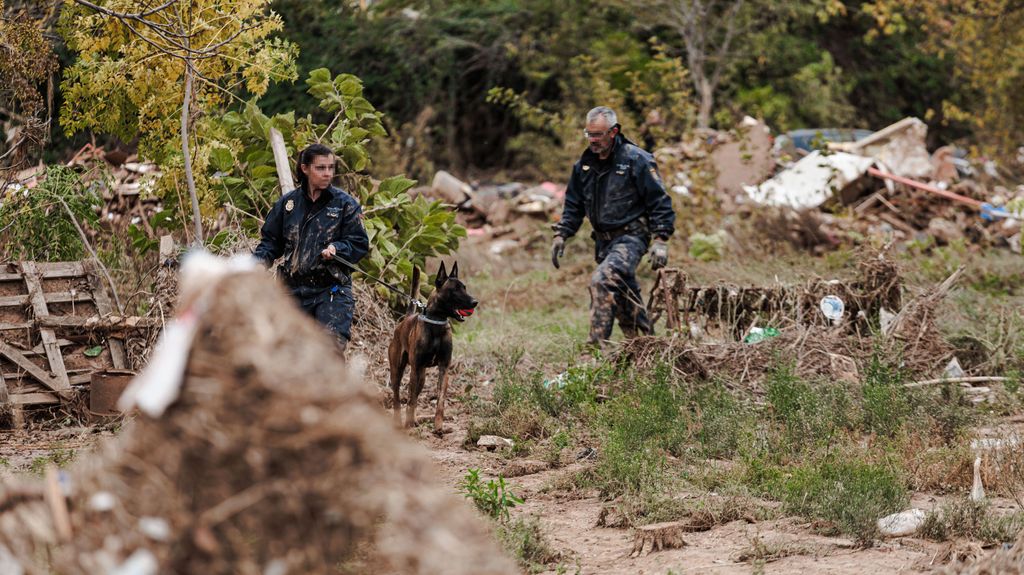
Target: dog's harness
(423, 317)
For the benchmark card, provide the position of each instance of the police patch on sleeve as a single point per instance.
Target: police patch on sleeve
(289, 205)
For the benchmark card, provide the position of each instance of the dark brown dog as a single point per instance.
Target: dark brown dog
(423, 340)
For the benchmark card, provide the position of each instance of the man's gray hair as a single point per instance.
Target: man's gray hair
(604, 112)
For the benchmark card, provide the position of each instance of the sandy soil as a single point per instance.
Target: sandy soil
(571, 527)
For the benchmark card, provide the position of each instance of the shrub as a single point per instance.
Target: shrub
(492, 497)
(849, 492)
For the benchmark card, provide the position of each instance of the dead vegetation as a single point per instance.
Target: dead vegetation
(274, 457)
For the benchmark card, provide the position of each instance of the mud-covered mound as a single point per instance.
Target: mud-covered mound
(275, 458)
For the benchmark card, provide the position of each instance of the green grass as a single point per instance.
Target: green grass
(843, 454)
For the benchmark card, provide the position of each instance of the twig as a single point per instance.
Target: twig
(974, 379)
(88, 246)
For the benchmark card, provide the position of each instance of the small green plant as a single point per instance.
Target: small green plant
(525, 541)
(39, 224)
(850, 492)
(493, 498)
(886, 405)
(809, 415)
(976, 520)
(59, 456)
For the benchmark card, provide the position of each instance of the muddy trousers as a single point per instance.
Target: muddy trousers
(332, 307)
(614, 291)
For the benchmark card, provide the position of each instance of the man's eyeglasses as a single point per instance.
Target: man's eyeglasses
(588, 134)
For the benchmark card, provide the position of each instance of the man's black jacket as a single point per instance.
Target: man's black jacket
(615, 192)
(300, 229)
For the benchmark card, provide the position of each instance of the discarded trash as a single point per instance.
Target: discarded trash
(94, 351)
(902, 524)
(760, 334)
(953, 369)
(558, 382)
(811, 181)
(885, 320)
(977, 489)
(901, 146)
(833, 308)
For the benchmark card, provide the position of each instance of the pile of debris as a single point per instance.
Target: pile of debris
(122, 180)
(826, 327)
(257, 451)
(819, 189)
(506, 213)
(895, 188)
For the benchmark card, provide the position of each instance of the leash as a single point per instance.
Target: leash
(419, 305)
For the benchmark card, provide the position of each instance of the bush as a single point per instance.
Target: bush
(39, 224)
(809, 416)
(525, 541)
(492, 498)
(886, 404)
(849, 492)
(975, 520)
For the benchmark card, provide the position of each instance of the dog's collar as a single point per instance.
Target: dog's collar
(423, 317)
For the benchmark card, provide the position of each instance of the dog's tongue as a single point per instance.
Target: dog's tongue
(464, 312)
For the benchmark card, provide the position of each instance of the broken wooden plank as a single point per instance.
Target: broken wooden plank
(13, 326)
(104, 323)
(33, 398)
(55, 297)
(55, 270)
(38, 298)
(32, 369)
(103, 305)
(4, 393)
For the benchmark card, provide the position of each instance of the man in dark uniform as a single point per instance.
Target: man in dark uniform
(616, 185)
(308, 226)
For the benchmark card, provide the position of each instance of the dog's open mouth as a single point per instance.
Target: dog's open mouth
(464, 313)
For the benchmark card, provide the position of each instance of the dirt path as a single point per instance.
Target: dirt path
(571, 527)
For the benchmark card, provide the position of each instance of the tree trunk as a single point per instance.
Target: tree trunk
(197, 218)
(707, 102)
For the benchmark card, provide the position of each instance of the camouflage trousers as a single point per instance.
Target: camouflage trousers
(332, 307)
(614, 291)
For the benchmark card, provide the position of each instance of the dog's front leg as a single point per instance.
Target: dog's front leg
(442, 392)
(415, 386)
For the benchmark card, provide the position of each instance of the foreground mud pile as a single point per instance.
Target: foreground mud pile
(271, 457)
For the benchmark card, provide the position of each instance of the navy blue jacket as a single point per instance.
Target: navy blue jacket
(612, 194)
(300, 229)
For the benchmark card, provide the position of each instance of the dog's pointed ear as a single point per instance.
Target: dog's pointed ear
(442, 276)
(455, 270)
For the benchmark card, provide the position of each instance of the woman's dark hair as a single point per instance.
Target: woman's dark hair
(306, 158)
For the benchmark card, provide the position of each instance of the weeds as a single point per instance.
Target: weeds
(973, 520)
(492, 497)
(809, 416)
(525, 541)
(849, 492)
(886, 405)
(59, 456)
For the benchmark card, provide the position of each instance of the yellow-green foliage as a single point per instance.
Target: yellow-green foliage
(129, 76)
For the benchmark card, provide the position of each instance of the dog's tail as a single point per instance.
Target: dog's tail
(414, 291)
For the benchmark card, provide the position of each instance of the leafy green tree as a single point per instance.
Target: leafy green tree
(715, 34)
(403, 232)
(984, 41)
(139, 66)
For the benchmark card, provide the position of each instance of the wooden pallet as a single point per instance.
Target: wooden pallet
(50, 314)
